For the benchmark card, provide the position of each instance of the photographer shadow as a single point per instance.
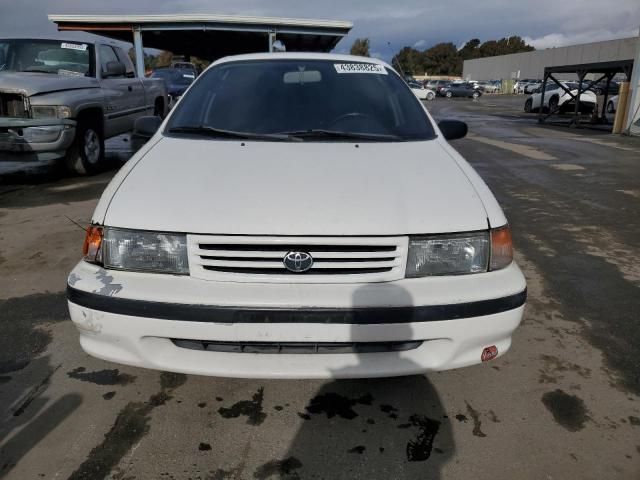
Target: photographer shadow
(377, 427)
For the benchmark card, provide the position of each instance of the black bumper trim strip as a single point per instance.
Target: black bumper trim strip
(356, 316)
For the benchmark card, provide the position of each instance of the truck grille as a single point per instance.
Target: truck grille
(13, 105)
(260, 259)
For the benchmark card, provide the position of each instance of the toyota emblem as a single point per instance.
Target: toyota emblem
(298, 262)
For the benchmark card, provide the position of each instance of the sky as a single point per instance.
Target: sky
(390, 25)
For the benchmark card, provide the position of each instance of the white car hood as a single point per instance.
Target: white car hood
(307, 188)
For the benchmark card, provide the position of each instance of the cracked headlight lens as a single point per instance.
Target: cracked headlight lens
(145, 251)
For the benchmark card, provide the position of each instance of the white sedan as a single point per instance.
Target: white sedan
(556, 98)
(424, 93)
(326, 230)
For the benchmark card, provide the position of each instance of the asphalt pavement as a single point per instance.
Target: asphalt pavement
(564, 403)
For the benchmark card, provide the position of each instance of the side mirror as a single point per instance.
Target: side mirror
(453, 129)
(146, 127)
(115, 69)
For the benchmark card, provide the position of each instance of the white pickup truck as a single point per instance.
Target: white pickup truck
(61, 100)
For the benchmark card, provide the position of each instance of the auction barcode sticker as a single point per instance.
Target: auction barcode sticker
(360, 68)
(74, 46)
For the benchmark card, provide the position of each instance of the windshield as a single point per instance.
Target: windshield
(175, 76)
(46, 56)
(312, 100)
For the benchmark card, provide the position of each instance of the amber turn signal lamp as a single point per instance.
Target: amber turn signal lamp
(501, 248)
(92, 244)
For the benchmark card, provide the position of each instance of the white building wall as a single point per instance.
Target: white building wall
(532, 64)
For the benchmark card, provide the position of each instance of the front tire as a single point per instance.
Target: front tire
(610, 108)
(528, 105)
(86, 154)
(475, 95)
(431, 96)
(553, 104)
(448, 94)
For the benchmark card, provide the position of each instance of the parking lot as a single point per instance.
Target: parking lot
(563, 403)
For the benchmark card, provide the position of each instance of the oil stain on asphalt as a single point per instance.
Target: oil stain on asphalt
(419, 450)
(101, 377)
(252, 409)
(477, 424)
(333, 404)
(569, 411)
(131, 424)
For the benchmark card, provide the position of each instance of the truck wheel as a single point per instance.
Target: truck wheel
(86, 154)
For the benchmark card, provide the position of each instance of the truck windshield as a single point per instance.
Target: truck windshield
(302, 100)
(45, 56)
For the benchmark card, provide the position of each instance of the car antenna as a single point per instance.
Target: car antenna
(398, 66)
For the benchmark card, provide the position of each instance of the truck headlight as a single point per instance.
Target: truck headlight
(144, 251)
(459, 254)
(50, 111)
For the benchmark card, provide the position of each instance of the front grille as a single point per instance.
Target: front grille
(13, 105)
(297, 347)
(260, 259)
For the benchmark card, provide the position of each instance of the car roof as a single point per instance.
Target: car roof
(302, 56)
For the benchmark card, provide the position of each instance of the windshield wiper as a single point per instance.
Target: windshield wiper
(218, 132)
(321, 133)
(37, 70)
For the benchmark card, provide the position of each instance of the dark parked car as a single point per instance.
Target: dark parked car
(600, 87)
(438, 85)
(461, 90)
(177, 80)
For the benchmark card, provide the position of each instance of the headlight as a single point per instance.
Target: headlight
(50, 111)
(448, 255)
(459, 254)
(144, 251)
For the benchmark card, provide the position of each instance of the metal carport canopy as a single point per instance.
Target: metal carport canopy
(211, 36)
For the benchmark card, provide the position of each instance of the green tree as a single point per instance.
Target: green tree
(442, 59)
(445, 59)
(470, 49)
(409, 61)
(360, 47)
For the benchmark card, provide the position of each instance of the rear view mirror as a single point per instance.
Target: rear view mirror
(302, 77)
(453, 129)
(146, 127)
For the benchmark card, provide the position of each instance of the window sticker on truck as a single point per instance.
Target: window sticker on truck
(360, 68)
(74, 46)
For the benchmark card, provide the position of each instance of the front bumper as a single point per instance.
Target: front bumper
(131, 318)
(16, 143)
